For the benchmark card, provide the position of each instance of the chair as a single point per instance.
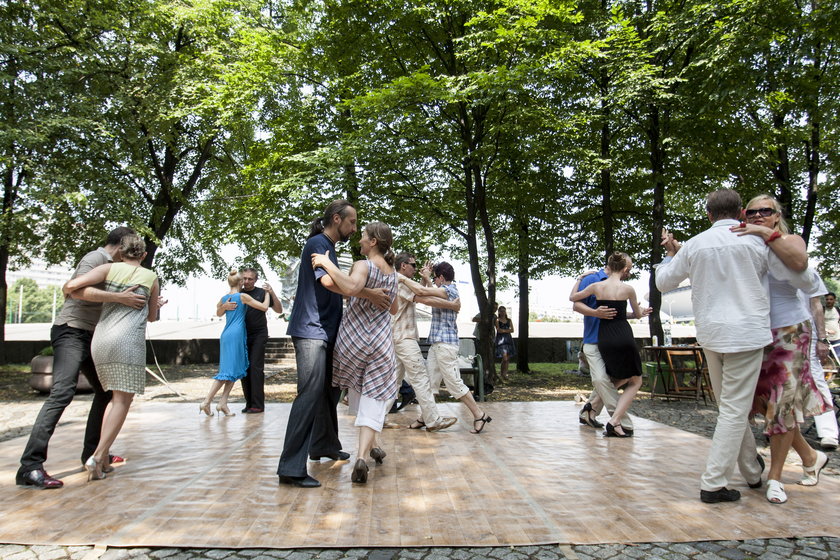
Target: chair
(688, 361)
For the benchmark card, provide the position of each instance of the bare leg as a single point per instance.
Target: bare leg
(779, 447)
(112, 424)
(214, 388)
(222, 406)
(367, 436)
(806, 453)
(631, 387)
(505, 362)
(469, 400)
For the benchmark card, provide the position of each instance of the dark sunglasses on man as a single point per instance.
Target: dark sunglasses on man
(763, 212)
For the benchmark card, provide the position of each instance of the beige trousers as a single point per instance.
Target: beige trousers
(734, 377)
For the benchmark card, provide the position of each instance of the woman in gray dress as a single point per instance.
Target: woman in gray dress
(119, 341)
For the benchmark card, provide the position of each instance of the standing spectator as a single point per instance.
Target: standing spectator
(832, 322)
(732, 316)
(504, 341)
(256, 328)
(71, 336)
(118, 347)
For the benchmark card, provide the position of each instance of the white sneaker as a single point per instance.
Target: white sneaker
(828, 443)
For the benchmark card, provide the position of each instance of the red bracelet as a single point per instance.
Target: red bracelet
(773, 237)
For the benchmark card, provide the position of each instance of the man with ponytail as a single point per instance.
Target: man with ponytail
(312, 428)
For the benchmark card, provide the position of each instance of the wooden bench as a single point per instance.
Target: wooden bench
(470, 367)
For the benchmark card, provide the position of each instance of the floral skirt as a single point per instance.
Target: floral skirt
(786, 393)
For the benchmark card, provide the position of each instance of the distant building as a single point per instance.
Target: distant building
(43, 274)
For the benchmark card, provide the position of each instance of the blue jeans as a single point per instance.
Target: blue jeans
(312, 428)
(72, 354)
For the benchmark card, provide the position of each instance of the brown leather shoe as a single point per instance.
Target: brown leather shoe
(37, 479)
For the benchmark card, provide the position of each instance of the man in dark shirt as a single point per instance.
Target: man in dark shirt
(312, 428)
(256, 326)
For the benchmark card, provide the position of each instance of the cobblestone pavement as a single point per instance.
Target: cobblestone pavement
(762, 549)
(16, 418)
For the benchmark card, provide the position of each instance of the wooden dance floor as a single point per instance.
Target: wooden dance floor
(535, 476)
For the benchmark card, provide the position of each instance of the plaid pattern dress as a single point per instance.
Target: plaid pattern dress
(364, 358)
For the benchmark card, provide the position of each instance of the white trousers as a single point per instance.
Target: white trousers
(369, 412)
(734, 377)
(442, 363)
(827, 421)
(410, 360)
(604, 392)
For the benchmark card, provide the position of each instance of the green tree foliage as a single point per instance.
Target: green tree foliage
(38, 303)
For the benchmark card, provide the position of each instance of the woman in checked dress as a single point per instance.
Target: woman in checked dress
(364, 362)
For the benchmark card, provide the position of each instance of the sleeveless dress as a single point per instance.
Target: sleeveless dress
(118, 347)
(364, 358)
(504, 341)
(233, 348)
(616, 343)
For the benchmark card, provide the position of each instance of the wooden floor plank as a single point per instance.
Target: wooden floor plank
(535, 476)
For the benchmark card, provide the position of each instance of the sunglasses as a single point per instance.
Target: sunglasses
(414, 264)
(763, 212)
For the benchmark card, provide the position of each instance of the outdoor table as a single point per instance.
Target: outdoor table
(667, 357)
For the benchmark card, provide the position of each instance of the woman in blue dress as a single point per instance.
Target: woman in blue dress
(504, 341)
(233, 350)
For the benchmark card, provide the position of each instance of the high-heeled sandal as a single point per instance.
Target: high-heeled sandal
(377, 454)
(811, 475)
(610, 432)
(224, 410)
(94, 472)
(360, 472)
(205, 408)
(586, 418)
(477, 428)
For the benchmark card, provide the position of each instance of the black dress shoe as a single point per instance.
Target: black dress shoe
(253, 411)
(300, 481)
(37, 479)
(722, 495)
(244, 410)
(340, 456)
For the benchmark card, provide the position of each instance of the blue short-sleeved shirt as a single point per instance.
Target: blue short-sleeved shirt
(444, 328)
(317, 311)
(590, 324)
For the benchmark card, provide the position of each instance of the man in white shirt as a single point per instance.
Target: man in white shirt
(729, 294)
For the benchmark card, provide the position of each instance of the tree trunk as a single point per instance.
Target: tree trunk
(524, 292)
(657, 168)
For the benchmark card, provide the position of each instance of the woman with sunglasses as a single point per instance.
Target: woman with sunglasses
(786, 391)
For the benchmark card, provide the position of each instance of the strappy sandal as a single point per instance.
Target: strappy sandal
(811, 475)
(416, 425)
(586, 418)
(484, 420)
(776, 492)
